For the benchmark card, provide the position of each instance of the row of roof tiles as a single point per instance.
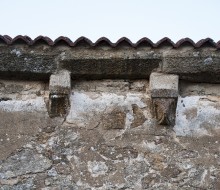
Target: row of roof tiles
(208, 42)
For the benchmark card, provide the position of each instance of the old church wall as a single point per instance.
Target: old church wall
(109, 139)
(87, 119)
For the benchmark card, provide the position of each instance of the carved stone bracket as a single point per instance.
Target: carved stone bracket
(164, 94)
(165, 110)
(60, 88)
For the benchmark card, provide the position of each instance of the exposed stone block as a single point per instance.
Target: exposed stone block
(164, 85)
(164, 93)
(165, 110)
(115, 119)
(196, 68)
(138, 115)
(60, 83)
(118, 68)
(16, 63)
(58, 105)
(60, 87)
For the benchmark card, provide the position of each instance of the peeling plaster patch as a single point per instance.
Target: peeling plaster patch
(16, 52)
(196, 54)
(63, 55)
(97, 168)
(27, 59)
(205, 122)
(208, 61)
(30, 105)
(87, 109)
(204, 174)
(151, 146)
(185, 165)
(52, 172)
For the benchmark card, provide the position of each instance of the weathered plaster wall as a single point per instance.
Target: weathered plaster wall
(109, 138)
(102, 132)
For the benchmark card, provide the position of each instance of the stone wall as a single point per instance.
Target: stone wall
(93, 118)
(109, 138)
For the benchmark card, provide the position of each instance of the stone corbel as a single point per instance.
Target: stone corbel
(60, 88)
(164, 95)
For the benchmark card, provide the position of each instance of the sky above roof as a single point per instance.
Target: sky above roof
(155, 19)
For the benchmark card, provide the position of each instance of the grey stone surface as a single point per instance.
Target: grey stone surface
(40, 61)
(18, 63)
(164, 89)
(23, 114)
(111, 68)
(165, 110)
(60, 83)
(164, 85)
(24, 162)
(60, 87)
(80, 152)
(202, 68)
(109, 139)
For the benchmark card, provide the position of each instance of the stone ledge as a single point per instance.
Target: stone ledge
(39, 62)
(164, 93)
(60, 83)
(164, 85)
(60, 88)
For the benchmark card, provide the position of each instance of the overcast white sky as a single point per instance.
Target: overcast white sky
(134, 19)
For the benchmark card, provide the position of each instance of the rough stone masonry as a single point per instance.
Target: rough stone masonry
(102, 117)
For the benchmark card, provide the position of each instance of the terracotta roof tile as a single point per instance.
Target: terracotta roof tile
(124, 41)
(165, 41)
(63, 40)
(144, 42)
(206, 42)
(185, 42)
(43, 40)
(83, 41)
(104, 42)
(218, 44)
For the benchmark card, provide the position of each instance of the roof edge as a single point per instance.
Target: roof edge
(103, 40)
